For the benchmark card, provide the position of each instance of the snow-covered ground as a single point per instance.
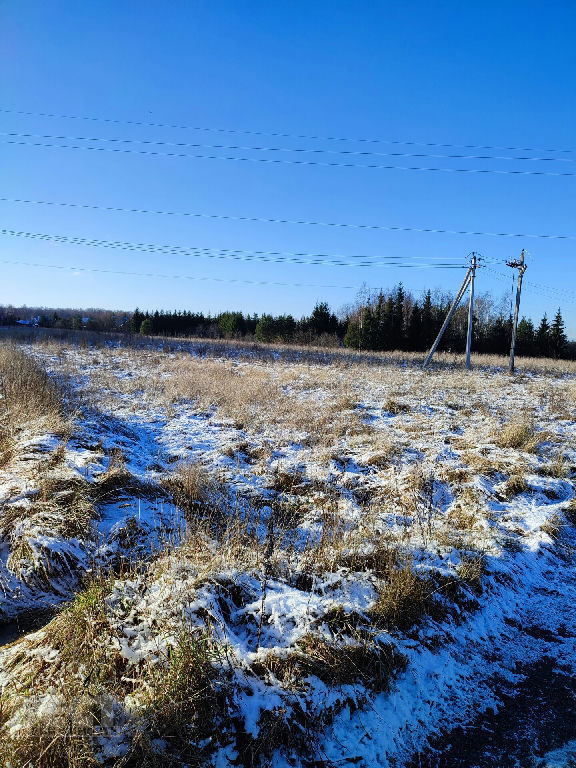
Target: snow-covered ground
(379, 556)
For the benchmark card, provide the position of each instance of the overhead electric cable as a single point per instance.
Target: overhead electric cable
(265, 220)
(156, 275)
(285, 161)
(277, 134)
(304, 150)
(235, 255)
(549, 290)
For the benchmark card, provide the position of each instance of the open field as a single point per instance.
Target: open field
(282, 556)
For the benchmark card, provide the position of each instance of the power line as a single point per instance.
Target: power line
(234, 254)
(262, 219)
(157, 275)
(545, 290)
(284, 161)
(559, 291)
(305, 150)
(539, 285)
(144, 124)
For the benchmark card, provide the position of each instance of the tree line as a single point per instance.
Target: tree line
(396, 320)
(384, 320)
(392, 320)
(321, 326)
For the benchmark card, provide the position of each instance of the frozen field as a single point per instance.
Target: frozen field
(278, 559)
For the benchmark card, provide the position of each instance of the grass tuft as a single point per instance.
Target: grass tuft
(522, 435)
(404, 598)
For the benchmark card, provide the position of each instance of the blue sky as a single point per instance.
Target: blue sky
(487, 74)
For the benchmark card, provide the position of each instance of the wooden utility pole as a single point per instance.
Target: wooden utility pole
(458, 298)
(521, 267)
(471, 309)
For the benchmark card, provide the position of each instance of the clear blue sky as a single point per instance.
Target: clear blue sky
(490, 73)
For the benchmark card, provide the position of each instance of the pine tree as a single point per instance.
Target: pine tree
(558, 338)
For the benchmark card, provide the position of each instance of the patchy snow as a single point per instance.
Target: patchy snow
(429, 475)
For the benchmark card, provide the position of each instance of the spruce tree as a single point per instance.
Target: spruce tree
(353, 338)
(322, 320)
(381, 320)
(543, 338)
(397, 330)
(525, 337)
(146, 327)
(498, 338)
(136, 321)
(266, 329)
(558, 338)
(428, 321)
(388, 340)
(414, 329)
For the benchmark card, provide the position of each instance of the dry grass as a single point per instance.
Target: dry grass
(520, 434)
(248, 349)
(64, 738)
(117, 483)
(28, 392)
(464, 516)
(346, 524)
(558, 466)
(359, 659)
(514, 486)
(61, 507)
(217, 541)
(27, 395)
(483, 464)
(404, 598)
(382, 452)
(553, 526)
(394, 406)
(198, 492)
(292, 482)
(178, 697)
(471, 569)
(263, 397)
(455, 475)
(183, 703)
(570, 512)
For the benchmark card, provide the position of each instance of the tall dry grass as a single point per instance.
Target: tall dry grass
(259, 397)
(27, 394)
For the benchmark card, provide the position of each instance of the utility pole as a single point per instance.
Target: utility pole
(521, 267)
(471, 309)
(458, 298)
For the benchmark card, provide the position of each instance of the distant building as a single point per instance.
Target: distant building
(34, 321)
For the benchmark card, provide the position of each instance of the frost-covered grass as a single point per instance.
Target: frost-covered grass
(289, 555)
